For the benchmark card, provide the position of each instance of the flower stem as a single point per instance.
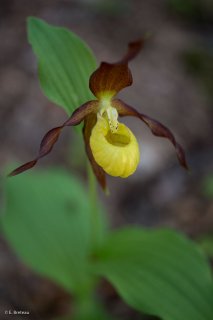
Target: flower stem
(94, 210)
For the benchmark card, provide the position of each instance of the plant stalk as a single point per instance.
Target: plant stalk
(94, 210)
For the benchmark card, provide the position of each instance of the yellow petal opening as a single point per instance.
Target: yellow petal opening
(116, 152)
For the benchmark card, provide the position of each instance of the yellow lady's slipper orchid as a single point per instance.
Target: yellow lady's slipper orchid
(110, 145)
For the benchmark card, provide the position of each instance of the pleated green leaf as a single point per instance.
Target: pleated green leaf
(65, 64)
(47, 221)
(159, 273)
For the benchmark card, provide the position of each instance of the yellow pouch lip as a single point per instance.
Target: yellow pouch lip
(117, 153)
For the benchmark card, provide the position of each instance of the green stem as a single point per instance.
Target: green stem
(94, 211)
(89, 307)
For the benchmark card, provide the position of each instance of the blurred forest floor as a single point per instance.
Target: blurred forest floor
(173, 82)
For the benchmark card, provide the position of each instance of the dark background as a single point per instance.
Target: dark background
(173, 82)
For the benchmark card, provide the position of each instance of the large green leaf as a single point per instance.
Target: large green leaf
(48, 223)
(65, 64)
(158, 272)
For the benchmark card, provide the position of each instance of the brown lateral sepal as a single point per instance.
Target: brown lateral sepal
(89, 123)
(157, 128)
(51, 137)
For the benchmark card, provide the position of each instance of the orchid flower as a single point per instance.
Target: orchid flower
(111, 146)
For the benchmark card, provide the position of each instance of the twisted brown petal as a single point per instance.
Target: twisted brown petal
(133, 49)
(89, 123)
(157, 128)
(110, 78)
(52, 136)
